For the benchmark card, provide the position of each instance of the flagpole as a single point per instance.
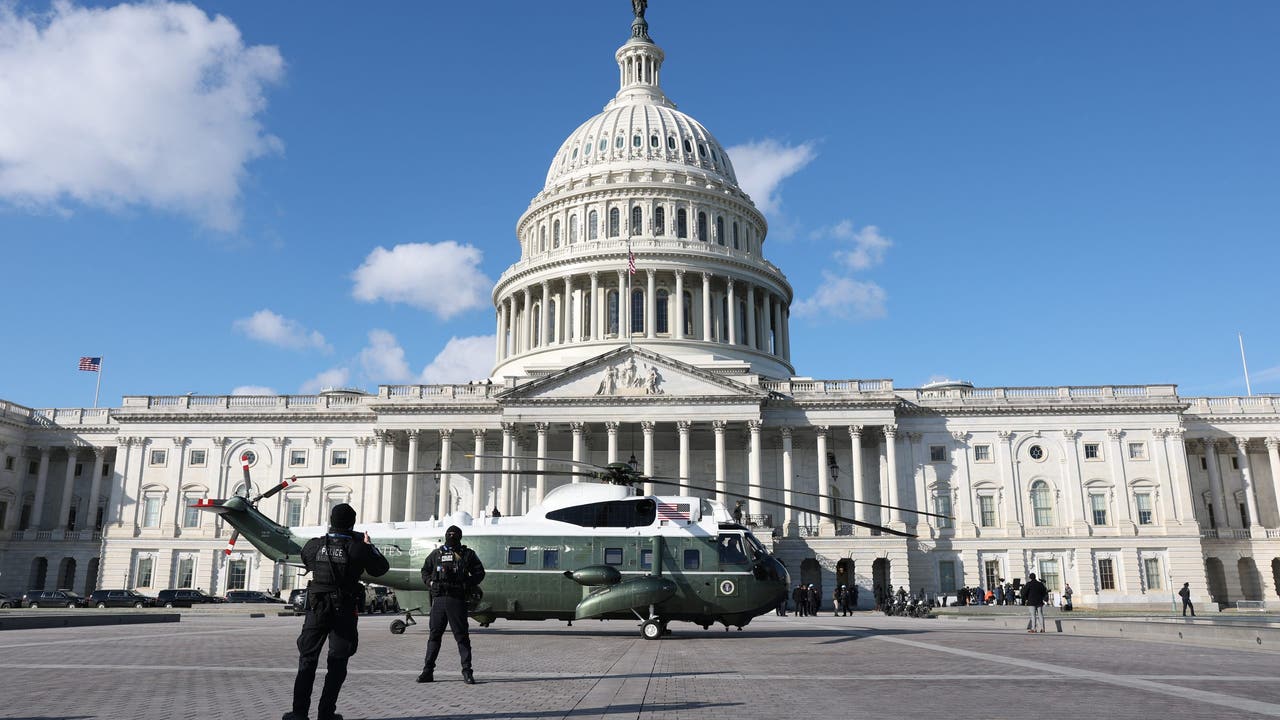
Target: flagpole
(1247, 387)
(98, 384)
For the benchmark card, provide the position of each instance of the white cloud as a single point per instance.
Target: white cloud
(843, 297)
(331, 378)
(461, 360)
(383, 360)
(153, 104)
(869, 246)
(443, 278)
(761, 167)
(253, 390)
(273, 329)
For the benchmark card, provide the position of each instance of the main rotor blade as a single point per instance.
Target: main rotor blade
(450, 471)
(833, 516)
(817, 495)
(535, 457)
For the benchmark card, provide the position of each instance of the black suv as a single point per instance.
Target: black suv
(119, 598)
(386, 601)
(185, 598)
(298, 599)
(8, 601)
(251, 596)
(52, 598)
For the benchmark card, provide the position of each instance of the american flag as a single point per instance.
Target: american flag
(631, 261)
(92, 364)
(673, 511)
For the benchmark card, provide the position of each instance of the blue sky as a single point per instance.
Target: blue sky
(1017, 193)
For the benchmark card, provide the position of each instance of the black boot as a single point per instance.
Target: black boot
(468, 678)
(427, 675)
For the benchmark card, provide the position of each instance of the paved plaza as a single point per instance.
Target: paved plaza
(233, 666)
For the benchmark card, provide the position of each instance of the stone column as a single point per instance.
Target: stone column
(646, 429)
(577, 428)
(855, 472)
(706, 307)
(477, 464)
(445, 507)
(786, 333)
(891, 462)
(1118, 478)
(384, 490)
(42, 481)
(683, 427)
(411, 480)
(775, 310)
(1076, 504)
(68, 486)
(595, 305)
(1164, 477)
(732, 319)
(505, 502)
(825, 524)
(1011, 508)
(115, 509)
(718, 427)
(526, 342)
(789, 526)
(679, 314)
(751, 316)
(624, 306)
(540, 485)
(1273, 458)
(563, 314)
(543, 340)
(611, 432)
(95, 486)
(753, 468)
(651, 304)
(1246, 475)
(961, 490)
(1180, 477)
(498, 335)
(1220, 514)
(321, 442)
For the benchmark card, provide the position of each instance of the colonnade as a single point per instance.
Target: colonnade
(1221, 453)
(67, 516)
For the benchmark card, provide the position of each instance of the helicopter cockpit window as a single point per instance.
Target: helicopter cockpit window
(613, 556)
(612, 513)
(517, 555)
(692, 559)
(757, 547)
(731, 550)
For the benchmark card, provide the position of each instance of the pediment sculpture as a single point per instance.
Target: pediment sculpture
(628, 379)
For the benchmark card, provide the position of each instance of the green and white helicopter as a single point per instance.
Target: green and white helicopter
(592, 549)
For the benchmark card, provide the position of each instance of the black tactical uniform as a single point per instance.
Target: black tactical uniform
(451, 571)
(336, 562)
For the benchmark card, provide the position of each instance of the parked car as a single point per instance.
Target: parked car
(120, 598)
(52, 598)
(8, 601)
(251, 596)
(186, 598)
(298, 599)
(386, 599)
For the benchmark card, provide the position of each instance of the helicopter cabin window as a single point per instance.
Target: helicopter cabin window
(646, 559)
(613, 556)
(612, 513)
(517, 555)
(692, 559)
(550, 559)
(731, 550)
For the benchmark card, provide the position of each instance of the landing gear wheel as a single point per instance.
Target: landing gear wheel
(651, 630)
(397, 627)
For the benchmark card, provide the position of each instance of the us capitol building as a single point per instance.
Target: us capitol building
(683, 367)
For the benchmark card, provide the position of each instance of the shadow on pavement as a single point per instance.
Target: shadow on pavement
(631, 709)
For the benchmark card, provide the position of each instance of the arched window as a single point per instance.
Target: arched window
(637, 221)
(671, 142)
(586, 316)
(593, 225)
(613, 312)
(682, 223)
(573, 228)
(662, 325)
(702, 226)
(653, 141)
(735, 235)
(542, 239)
(637, 311)
(614, 222)
(553, 311)
(1042, 503)
(688, 313)
(719, 229)
(659, 221)
(555, 234)
(637, 141)
(537, 324)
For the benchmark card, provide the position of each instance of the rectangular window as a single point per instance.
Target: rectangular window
(1204, 463)
(8, 462)
(24, 517)
(4, 512)
(186, 572)
(293, 511)
(159, 457)
(517, 555)
(947, 576)
(943, 506)
(338, 458)
(1106, 574)
(1145, 514)
(190, 515)
(1050, 576)
(198, 458)
(106, 469)
(33, 467)
(937, 453)
(1137, 451)
(1235, 463)
(550, 559)
(237, 574)
(102, 511)
(1152, 568)
(1092, 451)
(987, 506)
(646, 559)
(692, 560)
(991, 571)
(297, 458)
(151, 511)
(1244, 515)
(146, 567)
(1098, 504)
(79, 469)
(982, 453)
(1213, 522)
(613, 556)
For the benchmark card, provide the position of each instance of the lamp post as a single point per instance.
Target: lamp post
(435, 475)
(833, 469)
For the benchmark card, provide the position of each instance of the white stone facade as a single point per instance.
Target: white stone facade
(1124, 492)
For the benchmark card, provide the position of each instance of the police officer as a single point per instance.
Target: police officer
(336, 562)
(451, 571)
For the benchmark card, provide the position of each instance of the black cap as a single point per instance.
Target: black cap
(342, 517)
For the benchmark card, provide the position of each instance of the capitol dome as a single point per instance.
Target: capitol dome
(642, 235)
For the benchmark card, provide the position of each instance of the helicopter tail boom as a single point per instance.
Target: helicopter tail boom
(274, 541)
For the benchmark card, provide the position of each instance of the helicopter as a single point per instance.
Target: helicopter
(593, 549)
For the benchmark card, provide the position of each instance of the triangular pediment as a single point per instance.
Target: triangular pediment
(631, 373)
